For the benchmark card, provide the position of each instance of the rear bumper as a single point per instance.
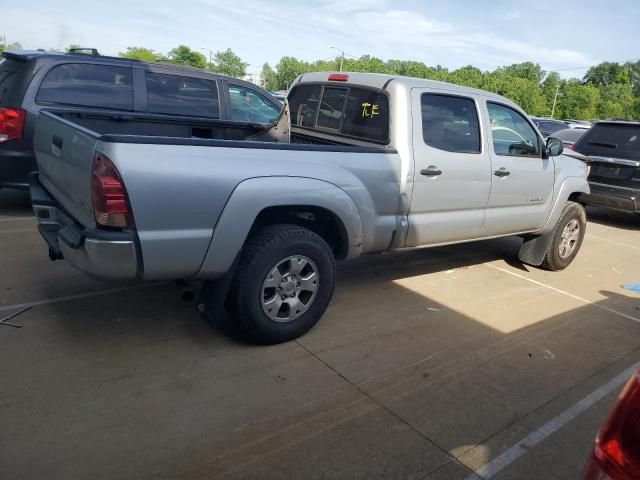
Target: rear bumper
(618, 198)
(103, 254)
(15, 167)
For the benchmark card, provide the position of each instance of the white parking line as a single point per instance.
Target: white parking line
(78, 296)
(534, 438)
(613, 242)
(576, 297)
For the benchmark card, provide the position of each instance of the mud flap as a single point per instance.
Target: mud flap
(213, 295)
(534, 249)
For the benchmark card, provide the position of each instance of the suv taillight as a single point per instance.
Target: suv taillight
(109, 197)
(617, 450)
(11, 123)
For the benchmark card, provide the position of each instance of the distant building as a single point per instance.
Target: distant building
(255, 78)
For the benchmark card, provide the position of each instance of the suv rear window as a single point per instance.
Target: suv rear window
(9, 81)
(611, 140)
(348, 111)
(88, 84)
(180, 95)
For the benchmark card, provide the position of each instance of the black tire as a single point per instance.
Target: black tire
(553, 259)
(260, 255)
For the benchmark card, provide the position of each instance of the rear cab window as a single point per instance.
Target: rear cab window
(617, 140)
(87, 84)
(348, 111)
(182, 95)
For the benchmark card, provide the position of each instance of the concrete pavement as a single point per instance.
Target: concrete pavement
(428, 364)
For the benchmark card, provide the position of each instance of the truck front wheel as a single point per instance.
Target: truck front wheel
(283, 283)
(567, 237)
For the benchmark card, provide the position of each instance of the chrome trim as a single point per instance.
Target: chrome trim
(616, 187)
(109, 260)
(617, 161)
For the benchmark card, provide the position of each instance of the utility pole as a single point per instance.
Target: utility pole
(341, 56)
(210, 54)
(553, 109)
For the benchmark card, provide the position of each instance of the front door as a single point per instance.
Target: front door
(522, 181)
(452, 169)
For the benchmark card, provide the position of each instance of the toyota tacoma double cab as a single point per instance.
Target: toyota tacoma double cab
(355, 164)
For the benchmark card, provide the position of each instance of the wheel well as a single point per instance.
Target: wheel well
(317, 219)
(575, 197)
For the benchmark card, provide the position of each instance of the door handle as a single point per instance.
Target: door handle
(431, 171)
(503, 172)
(57, 141)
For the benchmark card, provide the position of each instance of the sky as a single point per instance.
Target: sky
(559, 35)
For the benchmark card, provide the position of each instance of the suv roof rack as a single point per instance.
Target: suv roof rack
(93, 52)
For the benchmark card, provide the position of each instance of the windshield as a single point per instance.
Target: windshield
(616, 140)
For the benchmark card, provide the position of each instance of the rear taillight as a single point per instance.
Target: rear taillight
(109, 197)
(617, 450)
(11, 123)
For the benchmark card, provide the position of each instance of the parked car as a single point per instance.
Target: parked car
(613, 148)
(280, 96)
(359, 163)
(569, 136)
(616, 454)
(172, 99)
(578, 124)
(548, 126)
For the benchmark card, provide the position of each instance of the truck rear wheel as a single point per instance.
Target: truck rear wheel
(567, 237)
(283, 283)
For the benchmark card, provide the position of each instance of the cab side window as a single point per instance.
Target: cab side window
(512, 134)
(247, 105)
(450, 123)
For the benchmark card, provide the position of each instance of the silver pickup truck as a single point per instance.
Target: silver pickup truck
(357, 163)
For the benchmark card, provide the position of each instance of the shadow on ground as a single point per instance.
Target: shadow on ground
(421, 356)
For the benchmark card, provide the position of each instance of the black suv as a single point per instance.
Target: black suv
(613, 148)
(189, 98)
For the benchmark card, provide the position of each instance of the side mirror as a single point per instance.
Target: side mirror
(554, 147)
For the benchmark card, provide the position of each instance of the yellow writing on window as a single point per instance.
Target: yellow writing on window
(369, 110)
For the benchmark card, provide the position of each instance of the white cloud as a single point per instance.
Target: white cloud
(352, 5)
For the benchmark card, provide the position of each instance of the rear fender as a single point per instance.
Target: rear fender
(254, 195)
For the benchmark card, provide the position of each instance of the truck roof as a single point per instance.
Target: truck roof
(381, 80)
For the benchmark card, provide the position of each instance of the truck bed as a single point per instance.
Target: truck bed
(179, 185)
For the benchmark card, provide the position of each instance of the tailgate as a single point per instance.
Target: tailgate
(64, 152)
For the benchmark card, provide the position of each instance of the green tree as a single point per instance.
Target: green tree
(287, 70)
(71, 47)
(616, 101)
(577, 100)
(183, 55)
(527, 70)
(269, 80)
(142, 54)
(606, 73)
(228, 63)
(468, 76)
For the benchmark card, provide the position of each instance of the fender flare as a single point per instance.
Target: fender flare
(253, 195)
(569, 186)
(533, 249)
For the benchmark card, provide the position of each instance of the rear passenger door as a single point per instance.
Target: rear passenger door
(522, 181)
(452, 169)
